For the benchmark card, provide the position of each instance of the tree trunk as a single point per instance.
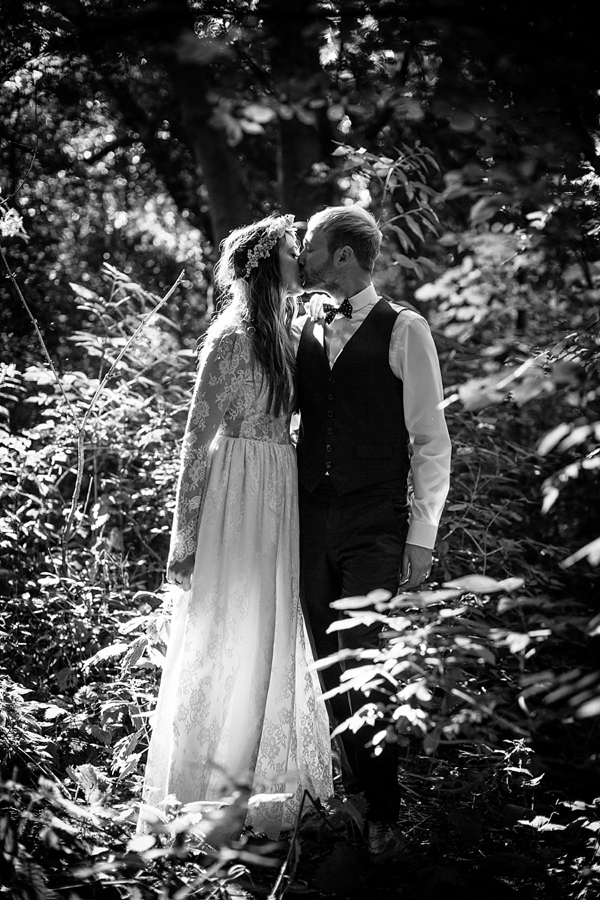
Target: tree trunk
(305, 133)
(300, 147)
(227, 193)
(191, 71)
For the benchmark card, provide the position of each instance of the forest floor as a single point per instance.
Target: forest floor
(473, 824)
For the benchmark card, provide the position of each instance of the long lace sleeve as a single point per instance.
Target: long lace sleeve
(222, 370)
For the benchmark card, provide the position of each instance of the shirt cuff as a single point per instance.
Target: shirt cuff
(423, 534)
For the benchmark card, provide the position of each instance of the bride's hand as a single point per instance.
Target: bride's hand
(180, 573)
(314, 307)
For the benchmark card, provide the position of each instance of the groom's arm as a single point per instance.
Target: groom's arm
(413, 358)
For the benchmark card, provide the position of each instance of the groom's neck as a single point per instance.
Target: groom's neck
(350, 286)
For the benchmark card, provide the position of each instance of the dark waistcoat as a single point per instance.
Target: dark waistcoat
(352, 416)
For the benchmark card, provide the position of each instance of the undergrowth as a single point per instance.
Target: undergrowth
(491, 672)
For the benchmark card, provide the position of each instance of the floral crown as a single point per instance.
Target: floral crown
(272, 234)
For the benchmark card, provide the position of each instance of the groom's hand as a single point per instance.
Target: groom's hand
(416, 567)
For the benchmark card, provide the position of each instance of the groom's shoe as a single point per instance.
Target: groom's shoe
(381, 837)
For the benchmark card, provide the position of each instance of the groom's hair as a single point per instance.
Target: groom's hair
(350, 226)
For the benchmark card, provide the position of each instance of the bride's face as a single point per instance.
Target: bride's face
(288, 265)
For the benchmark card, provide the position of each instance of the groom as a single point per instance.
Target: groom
(369, 385)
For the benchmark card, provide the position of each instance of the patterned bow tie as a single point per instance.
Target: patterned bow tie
(345, 308)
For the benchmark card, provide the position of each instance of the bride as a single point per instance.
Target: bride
(235, 694)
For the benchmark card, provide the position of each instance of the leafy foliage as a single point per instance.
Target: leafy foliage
(54, 846)
(492, 687)
(136, 135)
(67, 594)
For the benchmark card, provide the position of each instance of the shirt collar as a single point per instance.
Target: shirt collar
(366, 297)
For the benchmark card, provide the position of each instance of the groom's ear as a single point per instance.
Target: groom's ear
(343, 255)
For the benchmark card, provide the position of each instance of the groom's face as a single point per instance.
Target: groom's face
(317, 271)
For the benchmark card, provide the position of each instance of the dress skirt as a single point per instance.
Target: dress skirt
(236, 694)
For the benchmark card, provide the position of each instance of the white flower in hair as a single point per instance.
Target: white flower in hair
(272, 234)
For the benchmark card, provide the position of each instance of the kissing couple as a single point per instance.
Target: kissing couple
(266, 535)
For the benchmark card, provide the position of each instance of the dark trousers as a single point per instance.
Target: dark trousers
(350, 545)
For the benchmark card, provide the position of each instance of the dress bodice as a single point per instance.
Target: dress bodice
(229, 399)
(247, 415)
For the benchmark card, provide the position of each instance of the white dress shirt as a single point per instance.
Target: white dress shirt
(413, 358)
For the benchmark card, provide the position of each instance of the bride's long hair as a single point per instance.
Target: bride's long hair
(254, 298)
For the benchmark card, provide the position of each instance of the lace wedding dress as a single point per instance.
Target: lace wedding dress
(235, 689)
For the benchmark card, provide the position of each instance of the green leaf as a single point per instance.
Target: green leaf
(486, 208)
(141, 842)
(590, 551)
(542, 823)
(403, 239)
(82, 291)
(405, 262)
(352, 603)
(483, 584)
(414, 227)
(373, 597)
(517, 641)
(262, 799)
(110, 652)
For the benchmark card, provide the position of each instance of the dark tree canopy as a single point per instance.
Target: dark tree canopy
(237, 105)
(146, 131)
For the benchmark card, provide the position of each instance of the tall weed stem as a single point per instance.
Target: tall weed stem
(68, 531)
